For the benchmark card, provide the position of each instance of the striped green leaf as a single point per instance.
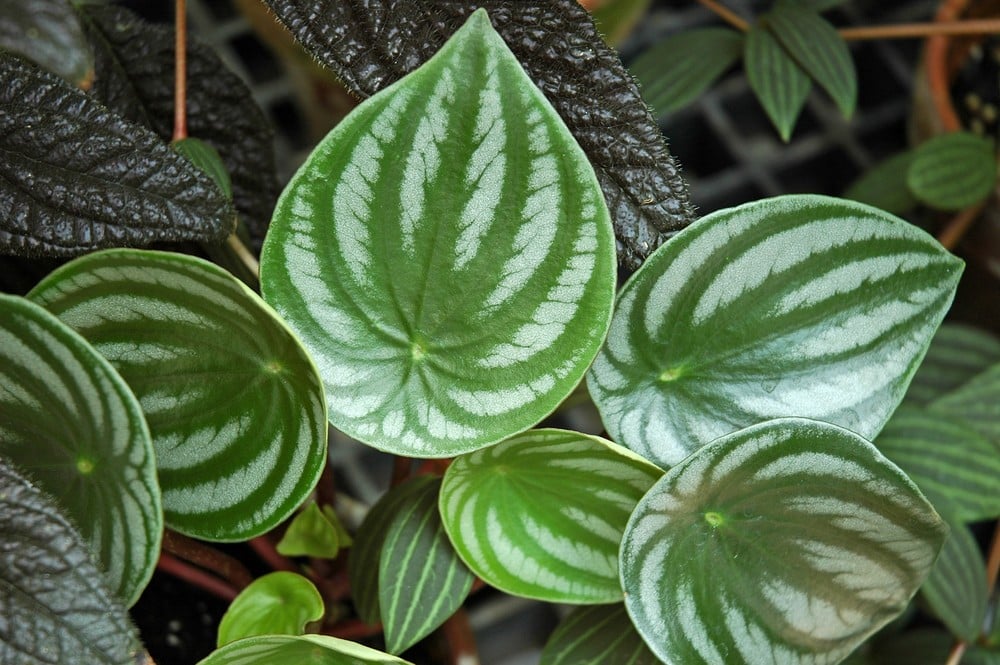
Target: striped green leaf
(446, 255)
(953, 171)
(541, 515)
(68, 420)
(597, 635)
(421, 580)
(950, 462)
(233, 402)
(675, 72)
(794, 306)
(976, 403)
(280, 603)
(776, 79)
(822, 53)
(956, 588)
(301, 650)
(884, 185)
(957, 354)
(791, 541)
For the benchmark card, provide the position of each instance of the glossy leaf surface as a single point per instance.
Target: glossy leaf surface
(794, 306)
(957, 354)
(791, 541)
(233, 402)
(54, 605)
(279, 603)
(48, 33)
(301, 650)
(956, 588)
(541, 514)
(776, 79)
(953, 171)
(597, 635)
(557, 44)
(453, 273)
(312, 533)
(69, 421)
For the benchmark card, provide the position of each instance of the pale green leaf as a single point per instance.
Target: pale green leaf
(71, 423)
(674, 72)
(976, 403)
(884, 185)
(791, 541)
(957, 353)
(312, 533)
(776, 79)
(793, 306)
(300, 650)
(206, 158)
(233, 401)
(541, 514)
(597, 635)
(446, 255)
(956, 587)
(953, 171)
(279, 603)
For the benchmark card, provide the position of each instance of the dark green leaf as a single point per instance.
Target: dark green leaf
(779, 83)
(54, 607)
(311, 533)
(953, 171)
(674, 72)
(922, 646)
(206, 158)
(75, 177)
(597, 635)
(135, 77)
(957, 353)
(818, 49)
(556, 43)
(975, 403)
(884, 185)
(68, 419)
(48, 33)
(300, 650)
(280, 603)
(956, 587)
(978, 656)
(615, 19)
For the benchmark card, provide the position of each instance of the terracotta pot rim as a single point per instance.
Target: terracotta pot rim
(938, 76)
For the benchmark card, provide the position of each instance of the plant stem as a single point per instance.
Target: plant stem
(168, 563)
(727, 15)
(461, 641)
(401, 467)
(180, 70)
(264, 548)
(207, 557)
(957, 651)
(956, 227)
(354, 629)
(993, 561)
(243, 253)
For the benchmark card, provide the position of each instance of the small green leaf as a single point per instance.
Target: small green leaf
(53, 604)
(312, 533)
(956, 588)
(794, 306)
(674, 72)
(206, 158)
(818, 49)
(957, 353)
(884, 185)
(69, 421)
(791, 541)
(975, 403)
(616, 19)
(421, 581)
(48, 33)
(280, 603)
(597, 635)
(452, 274)
(300, 650)
(233, 401)
(953, 171)
(541, 514)
(776, 79)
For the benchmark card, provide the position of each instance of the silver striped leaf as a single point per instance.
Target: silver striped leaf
(70, 422)
(446, 256)
(790, 542)
(597, 635)
(541, 515)
(794, 306)
(234, 403)
(298, 650)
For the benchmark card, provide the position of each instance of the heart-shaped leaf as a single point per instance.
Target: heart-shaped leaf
(54, 605)
(957, 353)
(300, 650)
(453, 273)
(557, 44)
(953, 171)
(315, 533)
(791, 541)
(69, 421)
(597, 635)
(48, 33)
(541, 514)
(776, 79)
(233, 401)
(794, 306)
(280, 603)
(956, 588)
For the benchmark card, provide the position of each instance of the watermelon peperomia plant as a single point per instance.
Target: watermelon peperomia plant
(437, 279)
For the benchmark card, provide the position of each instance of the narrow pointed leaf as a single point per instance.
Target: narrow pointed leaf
(818, 49)
(950, 462)
(976, 403)
(452, 274)
(790, 541)
(597, 635)
(48, 33)
(957, 353)
(776, 79)
(953, 171)
(54, 605)
(70, 422)
(280, 603)
(675, 72)
(956, 588)
(541, 514)
(75, 177)
(884, 185)
(311, 533)
(794, 306)
(421, 580)
(556, 43)
(301, 650)
(233, 401)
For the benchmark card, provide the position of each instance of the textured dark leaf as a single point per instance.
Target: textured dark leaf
(53, 606)
(75, 176)
(371, 43)
(135, 70)
(48, 33)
